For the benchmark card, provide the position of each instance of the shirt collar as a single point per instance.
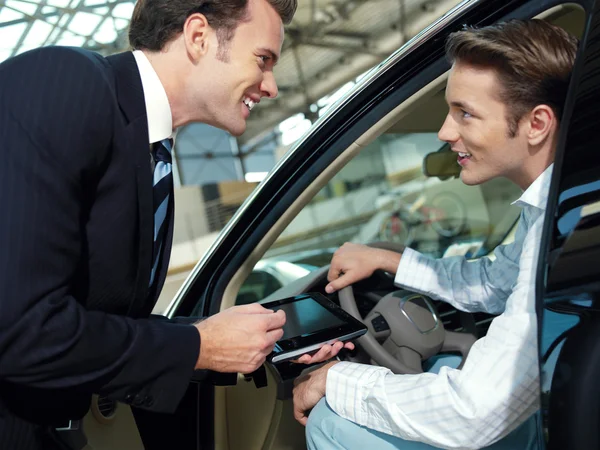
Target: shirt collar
(158, 110)
(536, 194)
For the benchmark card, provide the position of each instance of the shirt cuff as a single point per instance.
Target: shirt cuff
(410, 265)
(348, 386)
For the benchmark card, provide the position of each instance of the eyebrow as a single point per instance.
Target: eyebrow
(462, 105)
(271, 53)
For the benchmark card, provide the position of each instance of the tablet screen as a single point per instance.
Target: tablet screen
(312, 320)
(305, 317)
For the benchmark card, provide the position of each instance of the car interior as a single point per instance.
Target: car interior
(392, 184)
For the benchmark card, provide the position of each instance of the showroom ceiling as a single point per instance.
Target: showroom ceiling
(329, 42)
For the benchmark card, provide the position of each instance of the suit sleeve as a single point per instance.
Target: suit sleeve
(56, 119)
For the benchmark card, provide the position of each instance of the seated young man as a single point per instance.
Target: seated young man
(505, 92)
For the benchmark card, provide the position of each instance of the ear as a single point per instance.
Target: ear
(542, 124)
(196, 35)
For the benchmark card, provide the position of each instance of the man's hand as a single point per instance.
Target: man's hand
(324, 353)
(355, 262)
(239, 338)
(308, 390)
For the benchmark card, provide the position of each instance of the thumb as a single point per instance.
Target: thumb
(299, 415)
(339, 283)
(253, 308)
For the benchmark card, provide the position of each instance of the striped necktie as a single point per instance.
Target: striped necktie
(162, 191)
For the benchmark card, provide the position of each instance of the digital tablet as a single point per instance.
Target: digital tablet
(312, 320)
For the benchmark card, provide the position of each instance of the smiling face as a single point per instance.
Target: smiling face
(231, 77)
(477, 129)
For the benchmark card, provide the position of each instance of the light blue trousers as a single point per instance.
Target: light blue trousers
(326, 430)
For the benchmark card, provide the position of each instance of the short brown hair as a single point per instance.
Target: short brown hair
(156, 22)
(533, 60)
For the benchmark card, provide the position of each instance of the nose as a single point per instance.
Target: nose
(448, 132)
(268, 87)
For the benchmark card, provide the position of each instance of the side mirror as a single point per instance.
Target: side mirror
(442, 164)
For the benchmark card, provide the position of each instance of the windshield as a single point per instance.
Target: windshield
(384, 194)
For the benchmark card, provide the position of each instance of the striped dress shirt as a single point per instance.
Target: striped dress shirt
(498, 387)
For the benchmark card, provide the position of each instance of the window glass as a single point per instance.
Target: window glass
(258, 285)
(388, 193)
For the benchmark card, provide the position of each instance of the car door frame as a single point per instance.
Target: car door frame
(570, 250)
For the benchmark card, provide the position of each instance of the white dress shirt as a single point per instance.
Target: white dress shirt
(498, 387)
(158, 110)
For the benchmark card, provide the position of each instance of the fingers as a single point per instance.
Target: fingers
(276, 320)
(326, 352)
(253, 308)
(340, 283)
(349, 252)
(304, 359)
(274, 335)
(300, 415)
(337, 269)
(336, 347)
(323, 354)
(354, 262)
(334, 270)
(267, 321)
(337, 263)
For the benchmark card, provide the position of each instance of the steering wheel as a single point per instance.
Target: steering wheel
(409, 325)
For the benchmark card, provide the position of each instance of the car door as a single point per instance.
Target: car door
(569, 273)
(254, 411)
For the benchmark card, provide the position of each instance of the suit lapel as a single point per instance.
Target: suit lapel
(130, 96)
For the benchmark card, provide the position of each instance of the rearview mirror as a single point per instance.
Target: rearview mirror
(442, 164)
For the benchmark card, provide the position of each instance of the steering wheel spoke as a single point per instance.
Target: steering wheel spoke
(377, 325)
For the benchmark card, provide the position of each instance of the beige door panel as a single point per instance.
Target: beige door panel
(116, 431)
(289, 434)
(247, 418)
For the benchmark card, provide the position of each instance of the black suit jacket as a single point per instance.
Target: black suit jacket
(76, 232)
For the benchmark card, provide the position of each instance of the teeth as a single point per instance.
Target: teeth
(464, 155)
(249, 103)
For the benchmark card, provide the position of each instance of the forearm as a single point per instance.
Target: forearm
(388, 260)
(467, 285)
(480, 285)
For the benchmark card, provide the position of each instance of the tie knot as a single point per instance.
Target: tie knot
(162, 151)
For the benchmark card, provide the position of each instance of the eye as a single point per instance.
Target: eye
(263, 59)
(465, 114)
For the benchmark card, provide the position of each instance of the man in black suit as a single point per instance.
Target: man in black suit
(84, 246)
